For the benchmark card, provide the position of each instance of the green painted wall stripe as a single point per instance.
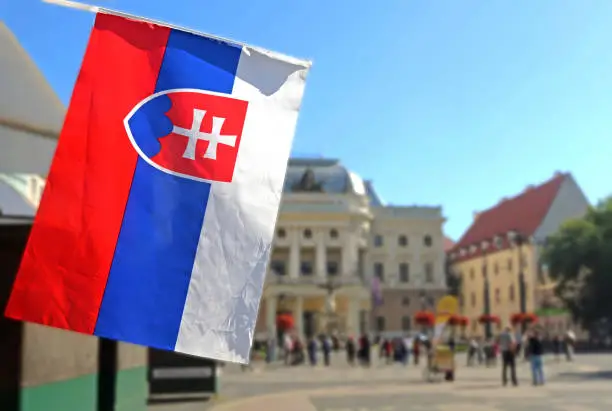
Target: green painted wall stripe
(132, 390)
(79, 394)
(69, 395)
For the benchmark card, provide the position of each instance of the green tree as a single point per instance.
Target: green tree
(579, 259)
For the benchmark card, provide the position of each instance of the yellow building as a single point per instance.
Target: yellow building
(504, 244)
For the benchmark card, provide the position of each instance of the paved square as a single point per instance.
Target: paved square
(583, 385)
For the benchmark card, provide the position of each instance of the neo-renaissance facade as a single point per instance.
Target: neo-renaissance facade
(333, 237)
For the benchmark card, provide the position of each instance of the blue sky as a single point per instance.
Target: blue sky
(452, 103)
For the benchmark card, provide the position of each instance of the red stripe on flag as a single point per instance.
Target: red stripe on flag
(66, 263)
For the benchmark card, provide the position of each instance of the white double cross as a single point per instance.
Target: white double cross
(214, 137)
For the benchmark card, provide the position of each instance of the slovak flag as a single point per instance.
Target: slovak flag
(157, 220)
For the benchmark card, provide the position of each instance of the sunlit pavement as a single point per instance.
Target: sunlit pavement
(582, 385)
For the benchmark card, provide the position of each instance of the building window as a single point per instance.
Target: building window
(471, 273)
(511, 293)
(402, 241)
(281, 233)
(429, 272)
(380, 324)
(405, 301)
(306, 268)
(379, 271)
(496, 268)
(473, 299)
(427, 241)
(509, 264)
(406, 323)
(484, 270)
(333, 233)
(308, 233)
(332, 268)
(278, 267)
(497, 296)
(404, 272)
(378, 240)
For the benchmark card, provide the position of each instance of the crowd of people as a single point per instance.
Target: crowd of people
(510, 346)
(359, 351)
(507, 347)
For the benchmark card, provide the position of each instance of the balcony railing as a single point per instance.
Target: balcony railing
(314, 279)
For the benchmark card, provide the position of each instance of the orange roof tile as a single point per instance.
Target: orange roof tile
(523, 213)
(448, 244)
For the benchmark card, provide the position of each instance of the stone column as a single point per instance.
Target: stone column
(349, 256)
(294, 256)
(298, 316)
(271, 316)
(352, 317)
(320, 256)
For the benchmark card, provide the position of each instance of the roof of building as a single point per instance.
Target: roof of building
(27, 100)
(321, 175)
(20, 195)
(375, 199)
(448, 244)
(31, 114)
(523, 213)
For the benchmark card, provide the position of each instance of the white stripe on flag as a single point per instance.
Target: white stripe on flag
(236, 238)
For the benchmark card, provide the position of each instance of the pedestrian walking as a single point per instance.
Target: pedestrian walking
(407, 350)
(326, 347)
(480, 351)
(365, 350)
(312, 351)
(536, 351)
(350, 351)
(472, 351)
(288, 348)
(507, 346)
(570, 341)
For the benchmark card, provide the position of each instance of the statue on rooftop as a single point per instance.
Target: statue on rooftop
(308, 183)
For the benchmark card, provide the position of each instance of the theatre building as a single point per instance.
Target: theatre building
(333, 237)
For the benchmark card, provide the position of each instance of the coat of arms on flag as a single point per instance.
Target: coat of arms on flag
(157, 220)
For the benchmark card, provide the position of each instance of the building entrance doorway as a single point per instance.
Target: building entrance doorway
(309, 318)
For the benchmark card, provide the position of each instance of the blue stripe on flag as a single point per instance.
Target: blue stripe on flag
(148, 282)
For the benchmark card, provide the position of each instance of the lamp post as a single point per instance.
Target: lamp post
(330, 286)
(519, 240)
(423, 300)
(484, 246)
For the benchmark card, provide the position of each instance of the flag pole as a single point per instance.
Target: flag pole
(97, 9)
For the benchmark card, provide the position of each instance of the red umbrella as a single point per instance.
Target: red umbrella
(488, 319)
(455, 320)
(516, 318)
(523, 318)
(426, 318)
(284, 322)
